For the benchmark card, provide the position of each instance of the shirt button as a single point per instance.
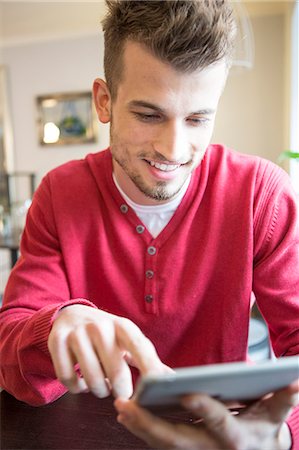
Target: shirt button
(151, 250)
(149, 274)
(124, 208)
(140, 229)
(149, 298)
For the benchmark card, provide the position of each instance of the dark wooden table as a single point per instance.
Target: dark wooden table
(72, 422)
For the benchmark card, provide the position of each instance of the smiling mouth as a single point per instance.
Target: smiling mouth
(163, 166)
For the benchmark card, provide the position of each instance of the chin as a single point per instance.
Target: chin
(162, 193)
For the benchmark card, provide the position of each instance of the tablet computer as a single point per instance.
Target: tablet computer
(226, 381)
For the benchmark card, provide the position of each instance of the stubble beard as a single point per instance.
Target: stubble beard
(160, 192)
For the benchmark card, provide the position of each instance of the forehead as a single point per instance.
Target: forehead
(146, 77)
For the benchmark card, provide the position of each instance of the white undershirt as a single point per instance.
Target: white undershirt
(155, 217)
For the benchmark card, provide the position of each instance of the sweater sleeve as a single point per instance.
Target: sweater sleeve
(276, 271)
(276, 265)
(36, 290)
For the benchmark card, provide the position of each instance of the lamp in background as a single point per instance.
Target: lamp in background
(244, 45)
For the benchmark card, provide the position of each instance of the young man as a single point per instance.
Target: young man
(154, 246)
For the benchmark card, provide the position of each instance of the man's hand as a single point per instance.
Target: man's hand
(103, 345)
(259, 426)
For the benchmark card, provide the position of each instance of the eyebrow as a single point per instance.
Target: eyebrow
(144, 104)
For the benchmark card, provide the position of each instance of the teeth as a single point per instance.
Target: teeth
(164, 167)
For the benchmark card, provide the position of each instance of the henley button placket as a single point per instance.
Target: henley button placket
(151, 250)
(149, 298)
(150, 281)
(124, 208)
(140, 229)
(149, 274)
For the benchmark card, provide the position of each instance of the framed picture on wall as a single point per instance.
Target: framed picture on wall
(66, 119)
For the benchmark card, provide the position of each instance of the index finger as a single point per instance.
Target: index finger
(130, 338)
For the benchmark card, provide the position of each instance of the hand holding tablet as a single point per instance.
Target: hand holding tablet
(226, 382)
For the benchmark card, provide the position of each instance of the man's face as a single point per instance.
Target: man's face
(161, 124)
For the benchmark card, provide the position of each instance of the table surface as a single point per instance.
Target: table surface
(71, 422)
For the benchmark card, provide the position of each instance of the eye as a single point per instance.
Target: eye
(147, 117)
(196, 121)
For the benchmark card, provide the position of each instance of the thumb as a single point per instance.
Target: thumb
(279, 405)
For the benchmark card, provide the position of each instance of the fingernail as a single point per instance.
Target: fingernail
(120, 404)
(123, 417)
(191, 402)
(120, 418)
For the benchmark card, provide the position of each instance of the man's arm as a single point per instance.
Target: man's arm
(38, 303)
(276, 265)
(276, 271)
(37, 289)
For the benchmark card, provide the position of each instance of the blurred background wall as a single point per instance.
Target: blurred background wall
(251, 114)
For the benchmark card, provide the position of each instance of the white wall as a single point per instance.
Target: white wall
(251, 113)
(40, 68)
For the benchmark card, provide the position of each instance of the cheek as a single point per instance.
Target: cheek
(130, 132)
(137, 135)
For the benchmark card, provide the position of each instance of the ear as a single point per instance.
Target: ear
(102, 100)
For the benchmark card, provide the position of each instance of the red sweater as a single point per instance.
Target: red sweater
(236, 230)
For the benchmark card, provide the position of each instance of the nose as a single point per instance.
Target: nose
(172, 142)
